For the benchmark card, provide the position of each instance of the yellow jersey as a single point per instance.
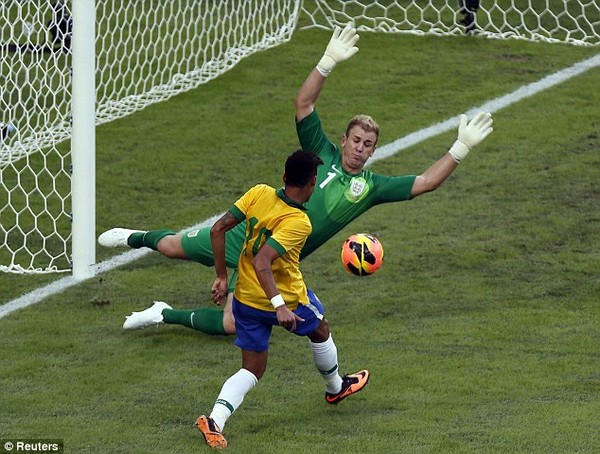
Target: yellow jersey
(273, 219)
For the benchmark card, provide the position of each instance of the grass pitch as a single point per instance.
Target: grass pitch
(480, 330)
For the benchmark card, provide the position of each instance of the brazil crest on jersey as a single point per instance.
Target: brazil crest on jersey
(340, 197)
(273, 219)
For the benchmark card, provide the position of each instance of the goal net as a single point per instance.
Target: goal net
(574, 21)
(148, 51)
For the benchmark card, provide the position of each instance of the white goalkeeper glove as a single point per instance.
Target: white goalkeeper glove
(471, 134)
(340, 48)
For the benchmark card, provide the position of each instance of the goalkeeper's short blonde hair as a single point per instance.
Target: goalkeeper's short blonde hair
(366, 122)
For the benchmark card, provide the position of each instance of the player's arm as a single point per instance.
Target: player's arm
(434, 176)
(263, 263)
(341, 47)
(308, 94)
(217, 239)
(470, 134)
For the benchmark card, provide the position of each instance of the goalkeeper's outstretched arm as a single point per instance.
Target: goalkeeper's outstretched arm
(341, 47)
(470, 134)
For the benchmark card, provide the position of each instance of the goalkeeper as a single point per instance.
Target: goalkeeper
(344, 191)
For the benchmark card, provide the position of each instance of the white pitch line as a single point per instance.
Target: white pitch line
(383, 152)
(387, 150)
(61, 285)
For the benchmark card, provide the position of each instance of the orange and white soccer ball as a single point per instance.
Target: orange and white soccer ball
(362, 254)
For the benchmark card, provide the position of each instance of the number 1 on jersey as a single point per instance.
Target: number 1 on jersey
(330, 176)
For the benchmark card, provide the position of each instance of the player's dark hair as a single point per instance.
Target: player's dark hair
(300, 167)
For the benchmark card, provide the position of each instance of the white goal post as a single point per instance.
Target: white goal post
(143, 52)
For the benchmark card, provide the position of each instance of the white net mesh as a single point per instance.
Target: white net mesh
(34, 111)
(148, 51)
(574, 21)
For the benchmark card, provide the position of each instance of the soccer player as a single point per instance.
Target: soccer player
(270, 290)
(345, 190)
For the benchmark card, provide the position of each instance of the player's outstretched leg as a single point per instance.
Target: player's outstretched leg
(116, 237)
(351, 384)
(165, 241)
(208, 320)
(148, 317)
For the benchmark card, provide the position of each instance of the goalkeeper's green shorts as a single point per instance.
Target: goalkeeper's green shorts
(197, 246)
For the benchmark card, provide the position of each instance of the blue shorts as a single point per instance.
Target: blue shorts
(253, 326)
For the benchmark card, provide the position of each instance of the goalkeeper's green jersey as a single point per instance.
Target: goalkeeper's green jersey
(341, 197)
(338, 199)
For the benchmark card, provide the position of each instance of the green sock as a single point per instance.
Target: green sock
(208, 320)
(148, 239)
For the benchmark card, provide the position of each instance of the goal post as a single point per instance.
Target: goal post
(83, 140)
(67, 66)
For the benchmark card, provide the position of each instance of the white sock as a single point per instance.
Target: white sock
(232, 395)
(326, 360)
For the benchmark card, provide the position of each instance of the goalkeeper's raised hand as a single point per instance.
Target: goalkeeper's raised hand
(471, 134)
(340, 48)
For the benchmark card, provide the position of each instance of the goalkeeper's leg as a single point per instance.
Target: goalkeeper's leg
(192, 245)
(208, 320)
(167, 242)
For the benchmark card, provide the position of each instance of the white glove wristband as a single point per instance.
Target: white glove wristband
(459, 151)
(277, 301)
(325, 65)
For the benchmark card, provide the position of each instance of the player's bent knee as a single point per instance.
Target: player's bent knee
(170, 246)
(228, 318)
(228, 323)
(321, 334)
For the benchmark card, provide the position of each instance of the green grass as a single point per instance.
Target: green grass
(481, 330)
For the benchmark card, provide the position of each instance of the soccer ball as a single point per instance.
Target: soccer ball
(362, 254)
